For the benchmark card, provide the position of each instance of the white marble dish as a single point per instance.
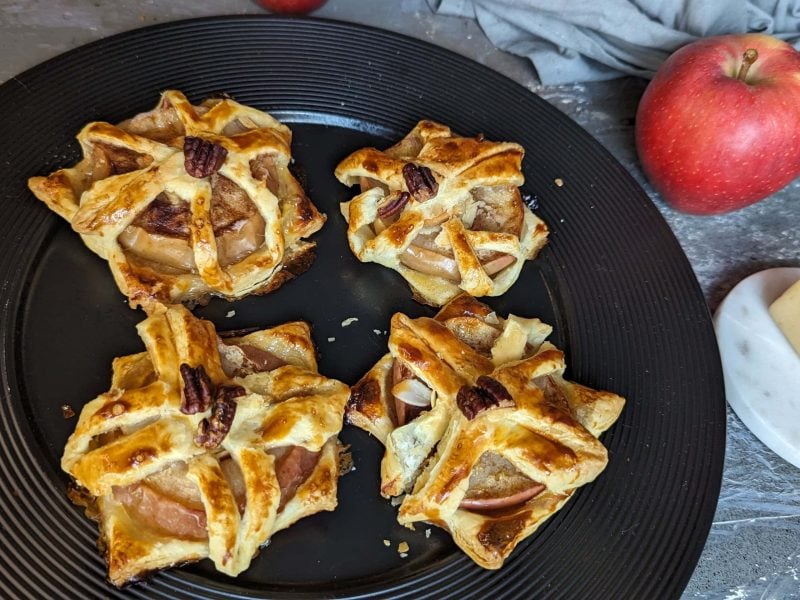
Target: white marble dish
(762, 370)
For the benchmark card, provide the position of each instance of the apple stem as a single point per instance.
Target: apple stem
(749, 57)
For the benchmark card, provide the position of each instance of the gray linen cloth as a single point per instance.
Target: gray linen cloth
(588, 40)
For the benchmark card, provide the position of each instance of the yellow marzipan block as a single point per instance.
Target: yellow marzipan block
(786, 313)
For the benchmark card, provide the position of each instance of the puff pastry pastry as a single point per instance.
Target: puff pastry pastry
(483, 434)
(443, 211)
(188, 201)
(205, 447)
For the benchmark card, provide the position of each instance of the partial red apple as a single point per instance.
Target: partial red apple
(718, 128)
(294, 7)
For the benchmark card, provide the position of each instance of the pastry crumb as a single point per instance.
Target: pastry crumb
(427, 533)
(376, 331)
(559, 182)
(67, 411)
(403, 554)
(387, 543)
(402, 548)
(331, 339)
(230, 313)
(345, 459)
(349, 321)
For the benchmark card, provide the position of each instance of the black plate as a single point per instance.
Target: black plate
(613, 280)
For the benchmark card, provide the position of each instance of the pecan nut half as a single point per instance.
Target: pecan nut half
(201, 157)
(211, 431)
(488, 393)
(198, 390)
(393, 204)
(495, 389)
(420, 182)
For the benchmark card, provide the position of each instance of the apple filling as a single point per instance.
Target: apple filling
(166, 502)
(240, 359)
(161, 233)
(293, 465)
(116, 160)
(170, 504)
(162, 125)
(496, 209)
(264, 168)
(553, 394)
(411, 395)
(496, 483)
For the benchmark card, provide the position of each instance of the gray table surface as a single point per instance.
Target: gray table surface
(753, 550)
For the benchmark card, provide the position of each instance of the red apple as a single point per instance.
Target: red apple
(295, 7)
(718, 128)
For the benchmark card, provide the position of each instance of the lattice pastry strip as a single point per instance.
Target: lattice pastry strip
(188, 201)
(205, 447)
(444, 211)
(482, 433)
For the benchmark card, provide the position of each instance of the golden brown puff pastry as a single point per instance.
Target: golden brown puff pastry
(443, 211)
(188, 201)
(205, 447)
(483, 434)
